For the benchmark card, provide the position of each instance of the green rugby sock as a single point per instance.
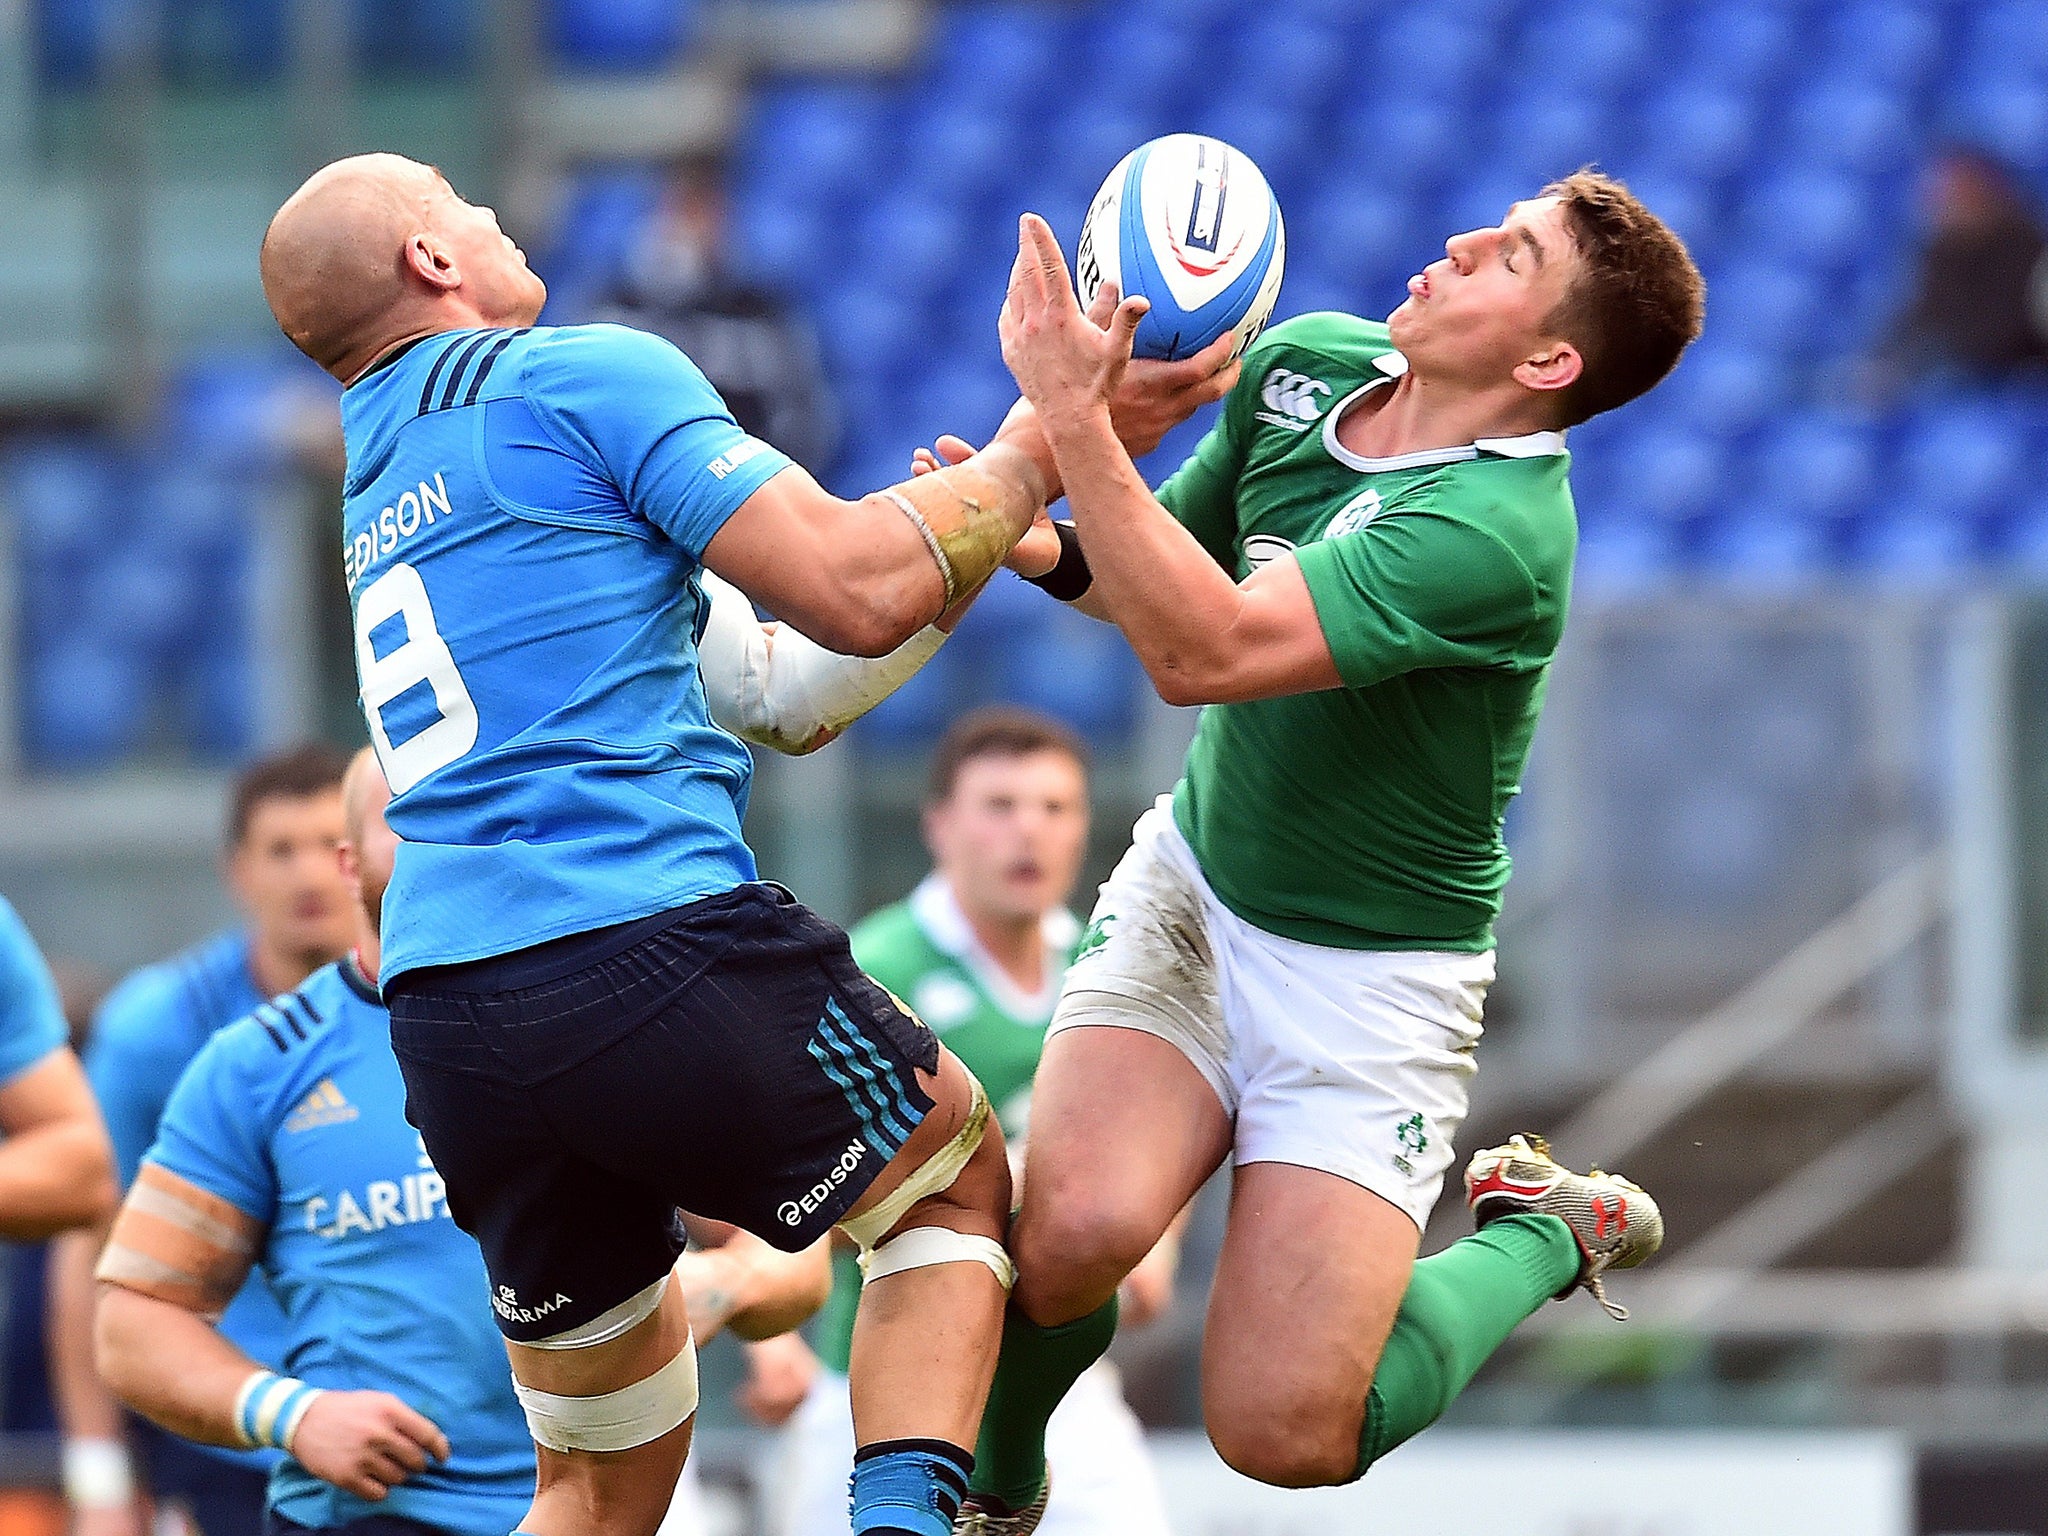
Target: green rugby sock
(1035, 1370)
(1459, 1308)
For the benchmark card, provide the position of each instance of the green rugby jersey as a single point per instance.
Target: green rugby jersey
(923, 950)
(1369, 816)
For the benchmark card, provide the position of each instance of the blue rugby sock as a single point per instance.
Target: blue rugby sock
(908, 1487)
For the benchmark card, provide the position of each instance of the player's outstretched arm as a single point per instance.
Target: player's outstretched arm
(862, 577)
(1203, 639)
(56, 1165)
(176, 1257)
(773, 685)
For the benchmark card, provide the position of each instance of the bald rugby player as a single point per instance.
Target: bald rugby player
(600, 1011)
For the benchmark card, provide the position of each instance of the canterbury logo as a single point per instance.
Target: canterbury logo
(1293, 395)
(1610, 1216)
(325, 1105)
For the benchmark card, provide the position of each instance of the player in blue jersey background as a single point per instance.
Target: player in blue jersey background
(285, 1151)
(285, 1148)
(601, 1012)
(284, 822)
(56, 1169)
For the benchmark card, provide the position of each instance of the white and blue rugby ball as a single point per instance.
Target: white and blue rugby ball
(1190, 224)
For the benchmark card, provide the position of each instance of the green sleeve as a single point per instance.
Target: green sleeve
(1202, 493)
(885, 945)
(1417, 589)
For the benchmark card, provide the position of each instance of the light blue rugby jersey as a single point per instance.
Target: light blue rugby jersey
(523, 519)
(144, 1035)
(31, 1017)
(296, 1116)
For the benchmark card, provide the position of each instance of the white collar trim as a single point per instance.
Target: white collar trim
(1392, 365)
(937, 911)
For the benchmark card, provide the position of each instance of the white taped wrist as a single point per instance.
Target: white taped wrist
(785, 691)
(97, 1474)
(269, 1409)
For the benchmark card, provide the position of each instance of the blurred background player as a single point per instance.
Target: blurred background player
(284, 824)
(285, 1151)
(1978, 309)
(978, 950)
(285, 1148)
(1290, 964)
(56, 1168)
(552, 993)
(680, 280)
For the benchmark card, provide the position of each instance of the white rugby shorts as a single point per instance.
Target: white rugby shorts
(1355, 1062)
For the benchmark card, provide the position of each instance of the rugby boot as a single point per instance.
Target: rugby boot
(984, 1517)
(1615, 1223)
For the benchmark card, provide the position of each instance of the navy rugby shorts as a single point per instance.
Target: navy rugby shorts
(727, 1058)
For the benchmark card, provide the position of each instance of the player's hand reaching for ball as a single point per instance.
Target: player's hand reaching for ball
(366, 1443)
(1067, 366)
(1155, 396)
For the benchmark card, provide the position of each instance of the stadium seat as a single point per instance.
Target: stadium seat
(1626, 554)
(1767, 546)
(1671, 475)
(85, 704)
(1443, 53)
(1543, 137)
(2007, 115)
(1012, 49)
(1848, 125)
(1821, 468)
(1773, 306)
(1808, 216)
(1918, 546)
(1739, 43)
(1073, 668)
(1586, 49)
(1891, 44)
(627, 35)
(406, 37)
(1700, 131)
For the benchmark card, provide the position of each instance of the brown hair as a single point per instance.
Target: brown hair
(999, 730)
(1637, 302)
(313, 768)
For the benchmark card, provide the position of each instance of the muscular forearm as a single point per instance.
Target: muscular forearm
(1175, 605)
(54, 1177)
(170, 1365)
(86, 1410)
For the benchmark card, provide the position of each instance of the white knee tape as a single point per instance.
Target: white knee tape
(615, 1421)
(606, 1326)
(936, 1173)
(922, 1247)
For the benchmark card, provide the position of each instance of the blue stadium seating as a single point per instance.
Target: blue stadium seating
(1782, 138)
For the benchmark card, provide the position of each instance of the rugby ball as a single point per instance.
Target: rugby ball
(1189, 223)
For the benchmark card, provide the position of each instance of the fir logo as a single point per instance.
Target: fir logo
(1354, 514)
(1094, 936)
(1412, 1140)
(325, 1105)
